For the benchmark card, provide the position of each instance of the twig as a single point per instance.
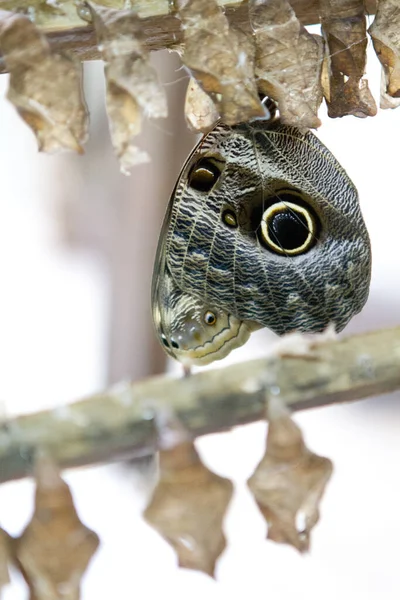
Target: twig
(67, 31)
(120, 422)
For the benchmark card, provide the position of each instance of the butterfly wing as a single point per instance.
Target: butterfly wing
(232, 267)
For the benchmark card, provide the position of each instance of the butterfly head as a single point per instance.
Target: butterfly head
(192, 331)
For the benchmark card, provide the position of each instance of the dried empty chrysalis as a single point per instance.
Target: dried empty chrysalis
(221, 59)
(133, 89)
(189, 504)
(55, 548)
(200, 111)
(345, 89)
(288, 61)
(385, 34)
(45, 87)
(385, 100)
(289, 481)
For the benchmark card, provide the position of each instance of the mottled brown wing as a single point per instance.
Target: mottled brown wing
(232, 267)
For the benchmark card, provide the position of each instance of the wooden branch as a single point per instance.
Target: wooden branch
(67, 31)
(120, 422)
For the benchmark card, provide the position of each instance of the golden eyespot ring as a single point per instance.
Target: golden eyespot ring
(288, 228)
(210, 318)
(229, 218)
(204, 175)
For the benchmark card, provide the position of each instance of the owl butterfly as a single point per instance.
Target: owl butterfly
(263, 229)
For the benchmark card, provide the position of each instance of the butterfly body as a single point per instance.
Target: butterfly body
(266, 225)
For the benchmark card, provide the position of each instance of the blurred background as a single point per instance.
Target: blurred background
(77, 244)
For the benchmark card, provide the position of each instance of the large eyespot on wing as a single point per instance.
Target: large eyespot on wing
(289, 226)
